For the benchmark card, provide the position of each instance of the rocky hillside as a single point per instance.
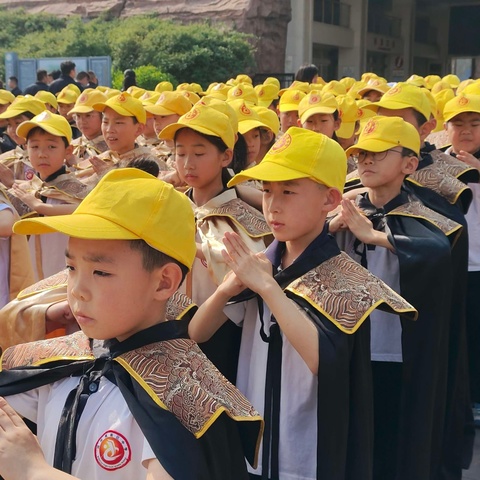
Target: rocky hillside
(266, 19)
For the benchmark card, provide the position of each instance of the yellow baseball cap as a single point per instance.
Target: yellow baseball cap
(243, 78)
(135, 91)
(272, 81)
(124, 104)
(348, 82)
(47, 97)
(87, 100)
(247, 117)
(460, 104)
(350, 113)
(404, 95)
(296, 85)
(192, 97)
(269, 118)
(164, 87)
(290, 99)
(67, 95)
(243, 91)
(300, 153)
(335, 88)
(203, 119)
(170, 103)
(6, 97)
(316, 102)
(452, 80)
(21, 104)
(431, 80)
(50, 122)
(128, 204)
(218, 90)
(439, 86)
(383, 133)
(441, 98)
(149, 97)
(222, 107)
(464, 84)
(417, 80)
(472, 88)
(266, 94)
(373, 84)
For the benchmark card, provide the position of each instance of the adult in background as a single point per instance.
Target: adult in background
(93, 80)
(13, 86)
(307, 73)
(40, 84)
(129, 79)
(83, 79)
(67, 77)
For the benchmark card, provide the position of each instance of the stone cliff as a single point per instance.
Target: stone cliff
(266, 19)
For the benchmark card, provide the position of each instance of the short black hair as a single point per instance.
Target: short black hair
(41, 74)
(41, 130)
(419, 117)
(55, 74)
(15, 79)
(306, 73)
(153, 258)
(67, 67)
(148, 165)
(407, 152)
(81, 75)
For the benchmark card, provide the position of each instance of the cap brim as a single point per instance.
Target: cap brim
(82, 109)
(10, 113)
(315, 110)
(25, 127)
(267, 172)
(346, 129)
(160, 110)
(100, 107)
(245, 126)
(447, 116)
(79, 225)
(288, 107)
(168, 133)
(370, 145)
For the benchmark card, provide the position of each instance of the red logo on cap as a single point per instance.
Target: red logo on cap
(394, 91)
(238, 92)
(122, 98)
(463, 101)
(191, 114)
(245, 110)
(112, 451)
(161, 98)
(296, 97)
(282, 143)
(370, 127)
(83, 98)
(261, 92)
(314, 99)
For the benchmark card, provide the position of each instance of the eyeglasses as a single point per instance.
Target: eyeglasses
(375, 156)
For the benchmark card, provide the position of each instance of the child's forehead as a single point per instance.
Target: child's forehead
(111, 114)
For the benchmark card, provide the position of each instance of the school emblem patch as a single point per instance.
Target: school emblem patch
(314, 99)
(121, 98)
(394, 91)
(245, 110)
(83, 98)
(281, 144)
(370, 127)
(238, 92)
(261, 93)
(112, 451)
(191, 114)
(462, 101)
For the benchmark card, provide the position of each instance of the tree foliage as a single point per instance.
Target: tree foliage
(198, 52)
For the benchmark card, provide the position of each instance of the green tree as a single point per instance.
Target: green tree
(198, 52)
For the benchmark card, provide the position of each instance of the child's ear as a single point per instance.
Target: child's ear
(337, 123)
(332, 199)
(410, 165)
(426, 128)
(227, 157)
(167, 280)
(140, 128)
(69, 150)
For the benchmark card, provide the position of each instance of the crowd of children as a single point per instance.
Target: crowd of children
(261, 282)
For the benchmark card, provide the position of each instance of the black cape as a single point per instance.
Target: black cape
(219, 453)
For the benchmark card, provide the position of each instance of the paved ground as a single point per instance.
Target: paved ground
(473, 473)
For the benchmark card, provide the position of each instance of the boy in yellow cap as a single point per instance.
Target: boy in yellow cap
(462, 117)
(66, 99)
(89, 122)
(6, 143)
(15, 164)
(126, 260)
(318, 112)
(304, 357)
(52, 190)
(123, 120)
(288, 108)
(408, 246)
(437, 171)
